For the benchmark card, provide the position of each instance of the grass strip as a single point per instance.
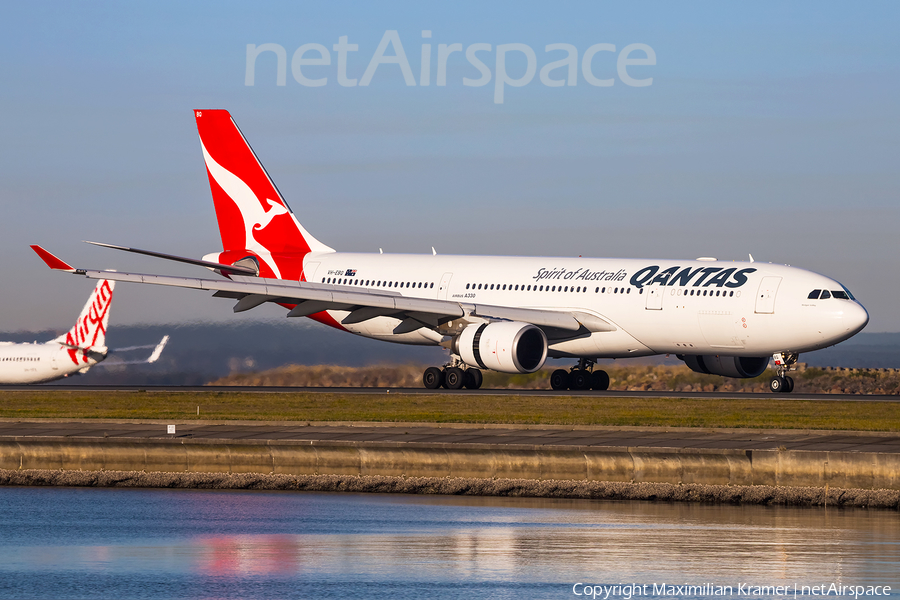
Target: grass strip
(455, 408)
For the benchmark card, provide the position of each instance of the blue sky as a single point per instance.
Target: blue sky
(768, 129)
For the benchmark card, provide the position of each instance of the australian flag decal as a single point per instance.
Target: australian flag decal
(350, 273)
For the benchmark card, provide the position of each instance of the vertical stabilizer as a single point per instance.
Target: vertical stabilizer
(252, 214)
(89, 332)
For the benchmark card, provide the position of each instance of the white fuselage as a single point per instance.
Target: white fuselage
(655, 306)
(37, 363)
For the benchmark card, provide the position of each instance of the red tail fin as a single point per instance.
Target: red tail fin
(253, 217)
(89, 331)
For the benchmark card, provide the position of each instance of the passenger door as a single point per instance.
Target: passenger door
(654, 297)
(445, 286)
(765, 297)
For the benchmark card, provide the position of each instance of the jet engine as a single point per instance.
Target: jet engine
(505, 346)
(727, 366)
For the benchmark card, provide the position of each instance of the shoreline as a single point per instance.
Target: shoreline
(465, 486)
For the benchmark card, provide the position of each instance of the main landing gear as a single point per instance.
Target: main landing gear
(453, 376)
(784, 362)
(580, 377)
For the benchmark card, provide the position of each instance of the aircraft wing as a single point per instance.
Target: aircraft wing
(362, 303)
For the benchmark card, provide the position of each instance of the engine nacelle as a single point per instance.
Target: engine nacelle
(506, 346)
(727, 366)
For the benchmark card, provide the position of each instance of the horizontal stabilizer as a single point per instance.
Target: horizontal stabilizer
(154, 356)
(183, 259)
(158, 350)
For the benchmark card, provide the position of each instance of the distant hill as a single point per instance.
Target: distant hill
(202, 352)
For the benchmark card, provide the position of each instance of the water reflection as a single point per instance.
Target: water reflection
(259, 544)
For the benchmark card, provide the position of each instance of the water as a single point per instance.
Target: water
(102, 543)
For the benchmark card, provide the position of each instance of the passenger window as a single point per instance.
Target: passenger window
(814, 295)
(825, 295)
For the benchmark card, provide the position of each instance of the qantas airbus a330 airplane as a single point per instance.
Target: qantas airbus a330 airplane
(76, 351)
(509, 314)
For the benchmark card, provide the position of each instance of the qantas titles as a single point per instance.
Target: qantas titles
(651, 275)
(580, 274)
(705, 276)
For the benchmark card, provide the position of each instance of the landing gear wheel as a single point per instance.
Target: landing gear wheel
(600, 380)
(579, 379)
(433, 378)
(788, 384)
(454, 378)
(473, 379)
(778, 385)
(559, 380)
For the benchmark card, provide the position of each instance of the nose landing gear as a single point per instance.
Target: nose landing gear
(782, 383)
(580, 377)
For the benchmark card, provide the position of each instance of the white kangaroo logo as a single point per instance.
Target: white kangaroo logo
(255, 217)
(260, 223)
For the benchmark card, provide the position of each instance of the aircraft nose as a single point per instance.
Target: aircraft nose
(843, 321)
(846, 321)
(855, 317)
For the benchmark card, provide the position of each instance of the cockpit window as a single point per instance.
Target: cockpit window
(814, 295)
(825, 295)
(840, 294)
(846, 291)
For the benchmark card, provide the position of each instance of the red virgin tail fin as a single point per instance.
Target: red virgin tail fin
(89, 331)
(253, 217)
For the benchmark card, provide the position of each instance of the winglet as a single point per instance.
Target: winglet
(53, 262)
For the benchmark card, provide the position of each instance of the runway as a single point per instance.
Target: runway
(451, 435)
(423, 391)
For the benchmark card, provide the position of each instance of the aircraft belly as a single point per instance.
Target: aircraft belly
(721, 329)
(607, 344)
(382, 328)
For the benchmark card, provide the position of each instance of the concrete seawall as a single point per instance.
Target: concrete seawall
(704, 466)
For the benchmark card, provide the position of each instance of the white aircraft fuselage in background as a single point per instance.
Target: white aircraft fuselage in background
(504, 313)
(74, 352)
